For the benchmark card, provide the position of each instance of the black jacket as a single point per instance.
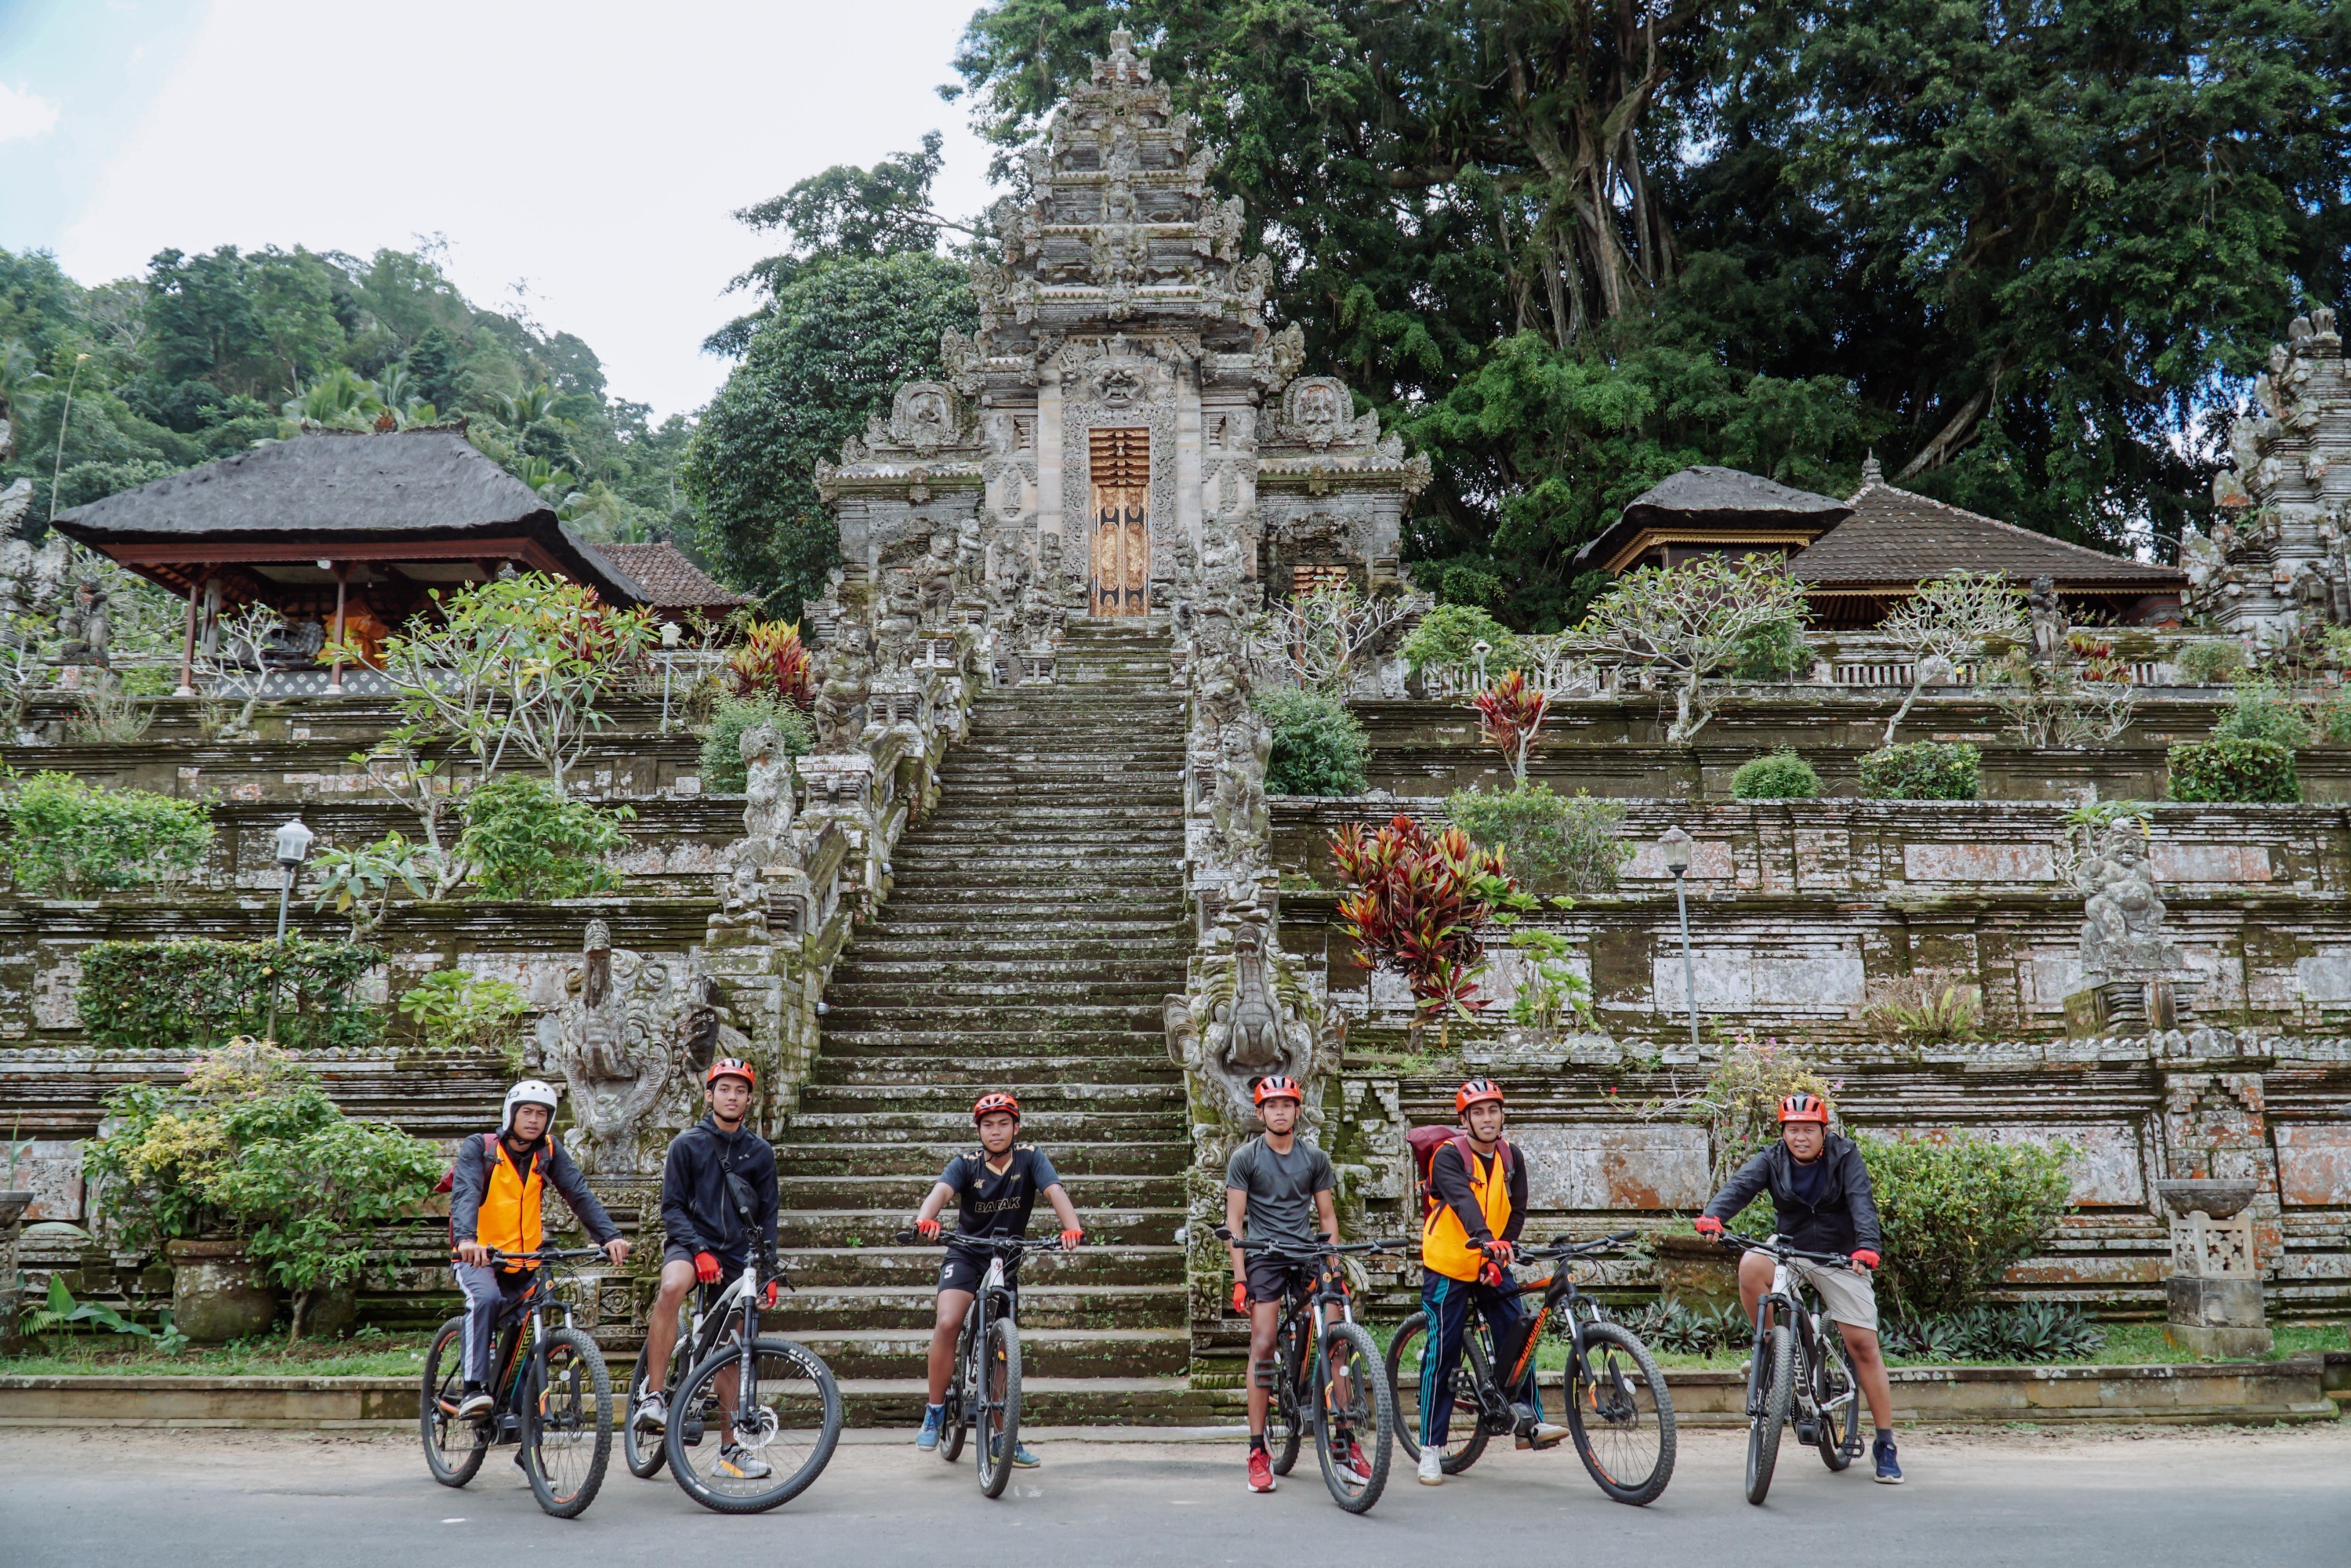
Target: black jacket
(470, 1178)
(1845, 1220)
(696, 1211)
(1448, 1177)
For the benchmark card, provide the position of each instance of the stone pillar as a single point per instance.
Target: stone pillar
(2213, 1295)
(12, 1215)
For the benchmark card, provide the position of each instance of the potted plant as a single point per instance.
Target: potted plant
(252, 1182)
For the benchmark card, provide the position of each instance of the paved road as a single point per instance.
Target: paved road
(2148, 1500)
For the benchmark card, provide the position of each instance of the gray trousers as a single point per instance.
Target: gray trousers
(488, 1292)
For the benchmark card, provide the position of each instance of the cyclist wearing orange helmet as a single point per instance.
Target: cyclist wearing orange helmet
(996, 1187)
(1820, 1202)
(718, 1202)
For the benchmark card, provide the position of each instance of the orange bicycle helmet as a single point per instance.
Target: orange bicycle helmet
(994, 1102)
(1279, 1086)
(1474, 1092)
(730, 1067)
(1802, 1107)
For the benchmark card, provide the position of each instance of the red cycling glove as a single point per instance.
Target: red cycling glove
(1070, 1238)
(1502, 1253)
(1240, 1297)
(768, 1297)
(928, 1230)
(705, 1268)
(1864, 1257)
(1708, 1224)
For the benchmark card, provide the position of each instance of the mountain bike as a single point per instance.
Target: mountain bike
(1619, 1411)
(1326, 1378)
(553, 1397)
(758, 1417)
(985, 1391)
(1800, 1368)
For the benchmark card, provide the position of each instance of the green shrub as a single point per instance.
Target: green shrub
(2264, 711)
(2235, 770)
(723, 773)
(456, 1009)
(2212, 663)
(1920, 1010)
(1923, 770)
(1959, 1212)
(1773, 653)
(1319, 747)
(2009, 1332)
(1781, 776)
(151, 995)
(1446, 634)
(1552, 843)
(2332, 721)
(66, 837)
(526, 838)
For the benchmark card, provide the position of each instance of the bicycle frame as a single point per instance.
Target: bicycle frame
(1788, 1296)
(1561, 1296)
(522, 1347)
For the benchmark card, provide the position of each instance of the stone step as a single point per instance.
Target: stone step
(915, 1308)
(939, 996)
(1047, 1023)
(1045, 1353)
(874, 1192)
(969, 1075)
(1104, 1227)
(954, 1102)
(1083, 904)
(823, 1268)
(885, 940)
(935, 1050)
(1055, 1129)
(947, 968)
(901, 1159)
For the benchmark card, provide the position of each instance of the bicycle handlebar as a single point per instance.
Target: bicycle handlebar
(1323, 1250)
(544, 1255)
(986, 1243)
(1567, 1247)
(1778, 1249)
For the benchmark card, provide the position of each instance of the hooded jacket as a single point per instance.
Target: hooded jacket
(1843, 1220)
(697, 1212)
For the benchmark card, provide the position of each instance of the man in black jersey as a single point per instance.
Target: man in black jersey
(995, 1187)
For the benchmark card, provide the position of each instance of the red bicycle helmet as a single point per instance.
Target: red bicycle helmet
(730, 1067)
(1802, 1107)
(993, 1101)
(1279, 1086)
(1474, 1092)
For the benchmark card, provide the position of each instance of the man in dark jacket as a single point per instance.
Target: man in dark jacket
(495, 1193)
(1821, 1203)
(710, 1237)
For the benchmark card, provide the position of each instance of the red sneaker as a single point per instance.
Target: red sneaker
(1354, 1463)
(1260, 1470)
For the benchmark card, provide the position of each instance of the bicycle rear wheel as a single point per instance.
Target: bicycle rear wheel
(1775, 1368)
(1621, 1416)
(1354, 1417)
(1285, 1420)
(1835, 1378)
(1404, 1369)
(999, 1406)
(454, 1449)
(765, 1453)
(567, 1426)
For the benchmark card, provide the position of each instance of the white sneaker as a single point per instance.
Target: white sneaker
(652, 1412)
(1432, 1466)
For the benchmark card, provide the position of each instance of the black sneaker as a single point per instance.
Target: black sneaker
(1889, 1472)
(475, 1405)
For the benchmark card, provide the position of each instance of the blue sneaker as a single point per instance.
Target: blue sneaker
(1022, 1460)
(1888, 1472)
(934, 1417)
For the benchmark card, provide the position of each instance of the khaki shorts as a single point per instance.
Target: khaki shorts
(1845, 1292)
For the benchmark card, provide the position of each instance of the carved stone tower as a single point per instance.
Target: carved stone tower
(1125, 430)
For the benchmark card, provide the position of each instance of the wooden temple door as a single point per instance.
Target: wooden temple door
(1120, 467)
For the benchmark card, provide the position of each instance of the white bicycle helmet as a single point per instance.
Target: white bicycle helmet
(529, 1091)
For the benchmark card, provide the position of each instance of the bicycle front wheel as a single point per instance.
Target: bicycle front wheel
(1621, 1416)
(1404, 1388)
(641, 1451)
(733, 1454)
(1354, 1417)
(452, 1449)
(1775, 1367)
(999, 1406)
(567, 1428)
(1835, 1379)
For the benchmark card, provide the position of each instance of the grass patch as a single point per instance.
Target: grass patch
(369, 1353)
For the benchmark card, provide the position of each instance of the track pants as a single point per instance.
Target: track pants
(1448, 1302)
(488, 1292)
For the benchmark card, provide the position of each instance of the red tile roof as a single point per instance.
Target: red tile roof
(671, 579)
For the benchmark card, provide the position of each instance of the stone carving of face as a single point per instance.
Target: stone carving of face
(1120, 387)
(927, 409)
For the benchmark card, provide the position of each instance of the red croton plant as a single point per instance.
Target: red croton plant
(772, 662)
(1419, 903)
(1510, 714)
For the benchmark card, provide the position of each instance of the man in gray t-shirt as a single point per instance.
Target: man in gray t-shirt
(1278, 1189)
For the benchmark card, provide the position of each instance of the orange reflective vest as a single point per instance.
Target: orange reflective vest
(1444, 1244)
(509, 1217)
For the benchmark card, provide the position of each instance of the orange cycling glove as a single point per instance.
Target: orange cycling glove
(1240, 1297)
(928, 1230)
(705, 1268)
(1070, 1238)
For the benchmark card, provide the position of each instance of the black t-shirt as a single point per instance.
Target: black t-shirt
(993, 1203)
(1809, 1184)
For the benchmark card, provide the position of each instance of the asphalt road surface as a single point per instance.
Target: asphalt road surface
(2147, 1498)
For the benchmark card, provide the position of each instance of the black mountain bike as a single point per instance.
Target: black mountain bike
(1800, 1368)
(553, 1395)
(1326, 1378)
(1618, 1409)
(984, 1393)
(756, 1418)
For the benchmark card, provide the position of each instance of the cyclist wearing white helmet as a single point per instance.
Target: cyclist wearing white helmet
(494, 1193)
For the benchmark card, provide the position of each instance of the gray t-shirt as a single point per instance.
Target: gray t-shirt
(1281, 1189)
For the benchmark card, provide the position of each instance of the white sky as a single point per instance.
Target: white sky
(591, 148)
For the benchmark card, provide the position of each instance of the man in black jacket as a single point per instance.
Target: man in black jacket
(1821, 1203)
(718, 1202)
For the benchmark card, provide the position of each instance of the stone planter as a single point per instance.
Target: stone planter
(217, 1294)
(2213, 1199)
(13, 1205)
(1695, 1272)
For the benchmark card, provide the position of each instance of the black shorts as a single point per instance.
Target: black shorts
(729, 1267)
(963, 1270)
(1278, 1278)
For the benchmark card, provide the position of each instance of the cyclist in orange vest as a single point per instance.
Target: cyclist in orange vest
(495, 1193)
(1477, 1205)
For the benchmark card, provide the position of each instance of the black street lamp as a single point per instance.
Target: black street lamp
(1675, 845)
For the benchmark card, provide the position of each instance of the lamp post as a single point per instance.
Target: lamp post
(1478, 650)
(1675, 845)
(293, 846)
(669, 637)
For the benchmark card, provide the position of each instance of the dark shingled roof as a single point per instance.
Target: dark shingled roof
(1718, 498)
(669, 577)
(345, 486)
(1895, 540)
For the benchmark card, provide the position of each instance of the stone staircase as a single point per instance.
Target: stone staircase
(1035, 923)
